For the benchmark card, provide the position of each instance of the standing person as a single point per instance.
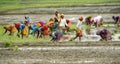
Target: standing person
(57, 16)
(78, 29)
(55, 25)
(63, 24)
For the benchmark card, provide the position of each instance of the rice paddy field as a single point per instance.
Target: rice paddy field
(32, 50)
(32, 39)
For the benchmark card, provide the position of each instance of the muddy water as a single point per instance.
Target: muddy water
(45, 17)
(4, 19)
(60, 55)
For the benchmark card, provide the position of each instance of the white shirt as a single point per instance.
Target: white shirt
(97, 19)
(79, 24)
(63, 22)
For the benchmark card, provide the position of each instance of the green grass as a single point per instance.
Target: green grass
(17, 4)
(15, 39)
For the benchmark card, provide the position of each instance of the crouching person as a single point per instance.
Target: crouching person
(104, 34)
(56, 35)
(116, 19)
(11, 28)
(98, 21)
(24, 31)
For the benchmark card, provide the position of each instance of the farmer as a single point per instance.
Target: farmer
(63, 24)
(50, 22)
(27, 20)
(116, 19)
(69, 24)
(45, 30)
(98, 21)
(56, 35)
(32, 27)
(11, 28)
(20, 28)
(57, 16)
(41, 23)
(88, 20)
(104, 34)
(24, 31)
(78, 29)
(55, 25)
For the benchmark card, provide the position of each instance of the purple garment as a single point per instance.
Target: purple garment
(89, 22)
(105, 31)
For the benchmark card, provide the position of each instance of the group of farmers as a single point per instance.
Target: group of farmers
(58, 26)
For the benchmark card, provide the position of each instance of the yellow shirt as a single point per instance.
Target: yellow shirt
(25, 30)
(13, 29)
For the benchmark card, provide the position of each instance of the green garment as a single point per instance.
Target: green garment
(54, 27)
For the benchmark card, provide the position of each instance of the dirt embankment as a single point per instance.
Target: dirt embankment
(61, 55)
(83, 9)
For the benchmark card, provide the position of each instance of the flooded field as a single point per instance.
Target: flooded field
(5, 19)
(80, 54)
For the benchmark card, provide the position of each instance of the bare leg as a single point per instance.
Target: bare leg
(75, 37)
(5, 32)
(38, 34)
(18, 34)
(22, 36)
(79, 38)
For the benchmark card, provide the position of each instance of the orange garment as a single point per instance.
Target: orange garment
(38, 24)
(45, 33)
(7, 27)
(69, 24)
(13, 29)
(10, 28)
(50, 22)
(78, 32)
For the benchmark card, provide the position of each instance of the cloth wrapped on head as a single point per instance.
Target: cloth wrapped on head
(80, 18)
